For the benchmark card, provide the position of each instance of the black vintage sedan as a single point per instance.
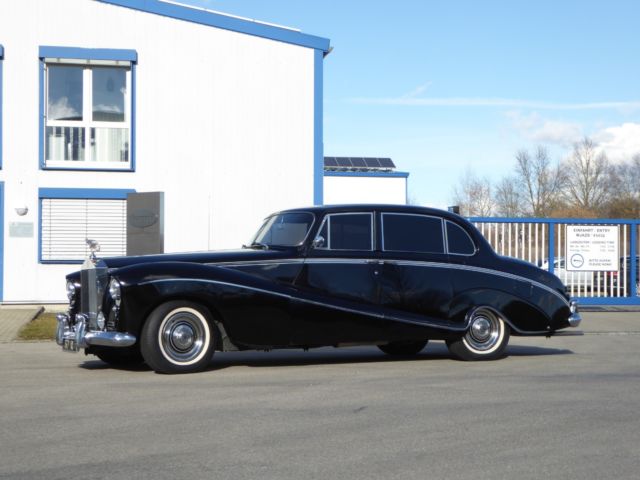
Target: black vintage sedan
(390, 276)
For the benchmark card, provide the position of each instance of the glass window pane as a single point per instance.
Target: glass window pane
(288, 229)
(350, 232)
(412, 233)
(110, 144)
(459, 241)
(65, 92)
(109, 91)
(64, 143)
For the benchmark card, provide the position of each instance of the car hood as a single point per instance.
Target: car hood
(222, 256)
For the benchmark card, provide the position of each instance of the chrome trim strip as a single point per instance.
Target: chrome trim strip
(413, 263)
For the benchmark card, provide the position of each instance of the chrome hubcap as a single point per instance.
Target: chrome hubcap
(484, 330)
(182, 336)
(481, 329)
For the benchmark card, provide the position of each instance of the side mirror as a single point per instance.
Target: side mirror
(318, 242)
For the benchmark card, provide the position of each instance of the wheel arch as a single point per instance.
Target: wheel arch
(522, 315)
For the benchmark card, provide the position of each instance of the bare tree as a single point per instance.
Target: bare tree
(624, 198)
(507, 198)
(539, 181)
(588, 178)
(473, 195)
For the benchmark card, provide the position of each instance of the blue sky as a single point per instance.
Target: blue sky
(446, 86)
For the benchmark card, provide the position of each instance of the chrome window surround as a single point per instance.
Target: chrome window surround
(442, 230)
(328, 239)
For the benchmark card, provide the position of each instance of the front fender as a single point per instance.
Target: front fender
(230, 295)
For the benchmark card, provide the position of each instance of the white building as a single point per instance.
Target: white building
(363, 180)
(103, 97)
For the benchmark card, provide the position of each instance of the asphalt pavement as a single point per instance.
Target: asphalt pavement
(565, 408)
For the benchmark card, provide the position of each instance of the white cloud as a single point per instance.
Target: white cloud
(620, 142)
(61, 110)
(545, 131)
(412, 100)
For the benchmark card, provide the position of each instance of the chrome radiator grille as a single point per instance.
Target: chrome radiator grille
(94, 281)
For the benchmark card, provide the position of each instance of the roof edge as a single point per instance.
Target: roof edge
(218, 20)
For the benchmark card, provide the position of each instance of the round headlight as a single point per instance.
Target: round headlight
(114, 291)
(71, 292)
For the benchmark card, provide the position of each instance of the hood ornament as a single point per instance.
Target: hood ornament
(94, 247)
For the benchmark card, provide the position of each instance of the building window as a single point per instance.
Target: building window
(87, 110)
(68, 217)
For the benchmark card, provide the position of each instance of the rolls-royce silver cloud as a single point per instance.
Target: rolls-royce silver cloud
(394, 277)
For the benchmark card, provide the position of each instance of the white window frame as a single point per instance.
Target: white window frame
(87, 122)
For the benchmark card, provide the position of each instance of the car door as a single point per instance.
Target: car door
(414, 274)
(339, 282)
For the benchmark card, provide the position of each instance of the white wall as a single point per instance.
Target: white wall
(224, 126)
(365, 189)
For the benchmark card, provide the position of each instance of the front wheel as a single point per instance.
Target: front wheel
(486, 338)
(178, 337)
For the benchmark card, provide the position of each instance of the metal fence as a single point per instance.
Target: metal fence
(542, 242)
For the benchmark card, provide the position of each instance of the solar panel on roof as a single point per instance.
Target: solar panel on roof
(344, 162)
(358, 162)
(372, 162)
(330, 162)
(386, 163)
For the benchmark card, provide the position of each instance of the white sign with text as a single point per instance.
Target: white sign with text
(592, 248)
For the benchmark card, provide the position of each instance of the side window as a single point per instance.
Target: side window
(458, 241)
(348, 231)
(412, 233)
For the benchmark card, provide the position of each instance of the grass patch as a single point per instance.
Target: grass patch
(42, 327)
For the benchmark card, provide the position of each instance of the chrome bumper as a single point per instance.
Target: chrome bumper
(575, 318)
(73, 338)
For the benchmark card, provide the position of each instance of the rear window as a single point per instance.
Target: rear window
(458, 240)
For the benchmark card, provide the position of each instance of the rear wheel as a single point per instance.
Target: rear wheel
(403, 348)
(178, 337)
(486, 338)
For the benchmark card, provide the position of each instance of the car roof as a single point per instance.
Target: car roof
(378, 207)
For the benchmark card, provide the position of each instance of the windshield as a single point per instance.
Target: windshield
(285, 229)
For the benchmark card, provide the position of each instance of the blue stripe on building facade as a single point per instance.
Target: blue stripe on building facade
(226, 22)
(331, 173)
(318, 140)
(87, 53)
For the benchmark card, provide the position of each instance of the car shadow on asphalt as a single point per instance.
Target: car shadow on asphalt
(327, 356)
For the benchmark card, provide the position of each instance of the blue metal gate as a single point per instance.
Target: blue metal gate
(542, 242)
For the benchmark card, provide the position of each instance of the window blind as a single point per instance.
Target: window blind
(67, 223)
